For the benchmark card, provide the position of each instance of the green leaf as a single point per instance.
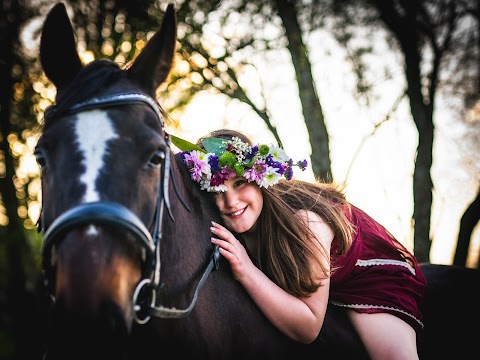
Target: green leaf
(215, 145)
(251, 162)
(184, 145)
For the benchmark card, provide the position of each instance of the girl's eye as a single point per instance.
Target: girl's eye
(239, 182)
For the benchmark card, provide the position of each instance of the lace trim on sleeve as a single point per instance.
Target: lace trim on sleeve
(366, 306)
(376, 262)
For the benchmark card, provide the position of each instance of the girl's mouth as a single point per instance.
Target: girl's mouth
(236, 213)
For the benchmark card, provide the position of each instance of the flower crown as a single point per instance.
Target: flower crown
(224, 159)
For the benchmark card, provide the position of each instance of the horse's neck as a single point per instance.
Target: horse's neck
(192, 191)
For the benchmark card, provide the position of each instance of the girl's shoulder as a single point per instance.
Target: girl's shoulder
(319, 227)
(307, 215)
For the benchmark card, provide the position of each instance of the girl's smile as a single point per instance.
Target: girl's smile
(236, 213)
(240, 205)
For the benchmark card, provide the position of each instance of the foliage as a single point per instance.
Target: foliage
(219, 42)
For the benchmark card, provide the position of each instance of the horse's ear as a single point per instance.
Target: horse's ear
(153, 64)
(58, 52)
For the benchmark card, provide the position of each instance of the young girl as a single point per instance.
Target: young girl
(296, 246)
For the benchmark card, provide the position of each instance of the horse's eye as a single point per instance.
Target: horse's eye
(41, 160)
(157, 159)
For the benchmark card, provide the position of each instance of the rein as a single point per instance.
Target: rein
(114, 214)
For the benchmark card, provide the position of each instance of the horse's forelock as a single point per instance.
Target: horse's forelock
(89, 81)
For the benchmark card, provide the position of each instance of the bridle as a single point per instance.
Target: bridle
(114, 214)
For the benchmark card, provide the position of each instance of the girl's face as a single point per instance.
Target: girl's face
(241, 205)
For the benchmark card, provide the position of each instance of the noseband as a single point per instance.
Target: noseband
(115, 214)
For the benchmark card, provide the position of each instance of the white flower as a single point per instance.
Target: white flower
(219, 188)
(206, 185)
(278, 154)
(241, 148)
(270, 177)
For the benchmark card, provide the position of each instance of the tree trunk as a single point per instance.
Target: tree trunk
(311, 107)
(403, 24)
(469, 220)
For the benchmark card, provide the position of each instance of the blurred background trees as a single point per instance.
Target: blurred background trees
(223, 47)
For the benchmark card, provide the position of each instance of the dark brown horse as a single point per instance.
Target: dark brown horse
(126, 253)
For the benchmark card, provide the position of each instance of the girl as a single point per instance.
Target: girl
(296, 246)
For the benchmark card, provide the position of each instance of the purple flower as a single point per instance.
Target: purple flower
(302, 164)
(253, 151)
(288, 173)
(197, 162)
(213, 161)
(255, 173)
(219, 178)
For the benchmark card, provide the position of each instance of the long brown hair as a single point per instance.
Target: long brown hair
(284, 247)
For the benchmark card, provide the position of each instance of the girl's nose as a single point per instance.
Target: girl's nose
(231, 198)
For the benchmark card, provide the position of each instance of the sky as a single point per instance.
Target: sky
(379, 166)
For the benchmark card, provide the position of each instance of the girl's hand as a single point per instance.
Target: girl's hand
(232, 250)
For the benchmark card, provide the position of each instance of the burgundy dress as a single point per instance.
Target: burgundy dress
(377, 274)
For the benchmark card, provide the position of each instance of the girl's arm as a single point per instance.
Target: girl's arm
(299, 318)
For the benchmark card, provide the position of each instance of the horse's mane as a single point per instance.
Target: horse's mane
(204, 198)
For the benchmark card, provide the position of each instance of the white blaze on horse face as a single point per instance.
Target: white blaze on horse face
(94, 130)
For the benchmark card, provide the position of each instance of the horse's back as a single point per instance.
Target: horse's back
(451, 312)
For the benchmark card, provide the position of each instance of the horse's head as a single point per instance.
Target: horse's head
(105, 158)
